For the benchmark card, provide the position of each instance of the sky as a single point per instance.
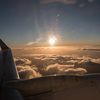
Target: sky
(49, 37)
(34, 22)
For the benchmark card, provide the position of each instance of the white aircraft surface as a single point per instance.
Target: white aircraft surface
(61, 87)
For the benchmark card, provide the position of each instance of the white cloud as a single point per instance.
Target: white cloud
(37, 41)
(22, 61)
(64, 69)
(46, 57)
(96, 60)
(72, 61)
(64, 59)
(26, 72)
(30, 43)
(77, 71)
(42, 65)
(88, 59)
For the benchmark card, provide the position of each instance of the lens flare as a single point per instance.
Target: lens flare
(52, 40)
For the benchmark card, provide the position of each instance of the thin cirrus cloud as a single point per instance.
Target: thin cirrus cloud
(37, 41)
(30, 43)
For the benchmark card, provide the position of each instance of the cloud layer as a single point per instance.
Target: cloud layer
(64, 69)
(43, 65)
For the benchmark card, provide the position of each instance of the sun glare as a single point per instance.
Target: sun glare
(52, 40)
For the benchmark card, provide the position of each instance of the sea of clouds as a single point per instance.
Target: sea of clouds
(39, 65)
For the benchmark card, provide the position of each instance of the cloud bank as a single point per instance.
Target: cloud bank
(43, 65)
(64, 70)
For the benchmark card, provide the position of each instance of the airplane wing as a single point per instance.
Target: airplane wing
(61, 87)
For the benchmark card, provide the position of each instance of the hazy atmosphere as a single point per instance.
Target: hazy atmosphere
(52, 37)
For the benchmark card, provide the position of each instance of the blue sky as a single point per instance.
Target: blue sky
(70, 21)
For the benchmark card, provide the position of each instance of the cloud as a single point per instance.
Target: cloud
(92, 49)
(64, 69)
(96, 60)
(72, 61)
(50, 57)
(22, 61)
(60, 1)
(54, 64)
(26, 72)
(30, 43)
(88, 59)
(43, 65)
(76, 71)
(91, 67)
(37, 41)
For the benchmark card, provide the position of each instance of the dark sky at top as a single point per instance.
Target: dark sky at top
(70, 21)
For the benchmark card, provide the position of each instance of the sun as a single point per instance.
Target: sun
(52, 40)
